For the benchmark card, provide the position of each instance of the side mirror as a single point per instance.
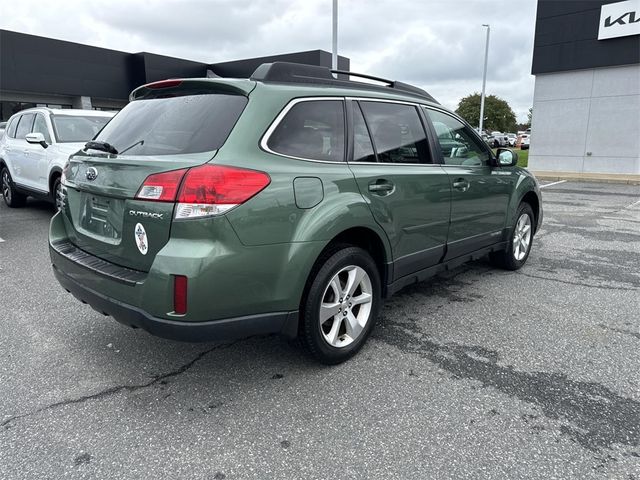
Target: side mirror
(36, 138)
(506, 157)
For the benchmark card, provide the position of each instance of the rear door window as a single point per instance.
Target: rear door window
(24, 126)
(311, 130)
(398, 134)
(362, 146)
(174, 125)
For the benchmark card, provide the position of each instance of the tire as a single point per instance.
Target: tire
(11, 196)
(335, 338)
(57, 195)
(520, 241)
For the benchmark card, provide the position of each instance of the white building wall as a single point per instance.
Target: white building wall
(587, 121)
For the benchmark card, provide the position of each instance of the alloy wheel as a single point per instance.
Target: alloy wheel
(6, 186)
(346, 306)
(59, 196)
(522, 237)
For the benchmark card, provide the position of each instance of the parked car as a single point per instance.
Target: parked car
(3, 125)
(512, 139)
(521, 139)
(524, 145)
(499, 140)
(291, 202)
(35, 147)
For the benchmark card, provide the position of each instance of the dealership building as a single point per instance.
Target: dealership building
(39, 71)
(586, 107)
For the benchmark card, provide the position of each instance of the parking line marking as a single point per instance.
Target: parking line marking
(551, 184)
(1, 240)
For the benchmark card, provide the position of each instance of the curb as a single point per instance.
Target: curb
(589, 178)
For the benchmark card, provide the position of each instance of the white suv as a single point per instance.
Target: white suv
(36, 145)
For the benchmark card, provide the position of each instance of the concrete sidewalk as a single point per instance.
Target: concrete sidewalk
(587, 177)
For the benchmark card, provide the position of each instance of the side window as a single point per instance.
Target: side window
(398, 134)
(458, 143)
(24, 126)
(40, 126)
(11, 129)
(312, 130)
(362, 146)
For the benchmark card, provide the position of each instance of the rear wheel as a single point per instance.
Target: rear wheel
(11, 196)
(341, 305)
(520, 240)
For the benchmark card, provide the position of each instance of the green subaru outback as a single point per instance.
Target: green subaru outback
(291, 202)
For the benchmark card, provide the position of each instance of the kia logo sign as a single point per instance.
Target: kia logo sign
(619, 19)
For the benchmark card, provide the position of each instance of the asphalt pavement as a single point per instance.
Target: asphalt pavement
(479, 373)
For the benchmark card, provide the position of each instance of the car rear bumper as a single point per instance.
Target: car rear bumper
(284, 323)
(232, 290)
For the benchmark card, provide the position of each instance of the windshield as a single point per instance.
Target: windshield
(72, 128)
(174, 125)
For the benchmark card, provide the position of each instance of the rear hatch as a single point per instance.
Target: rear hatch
(167, 128)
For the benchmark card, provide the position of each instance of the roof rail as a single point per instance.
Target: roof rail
(288, 72)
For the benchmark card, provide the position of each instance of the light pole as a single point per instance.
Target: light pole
(484, 77)
(334, 33)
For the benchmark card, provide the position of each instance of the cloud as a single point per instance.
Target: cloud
(438, 44)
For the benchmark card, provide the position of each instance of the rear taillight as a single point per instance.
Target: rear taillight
(161, 187)
(179, 294)
(214, 189)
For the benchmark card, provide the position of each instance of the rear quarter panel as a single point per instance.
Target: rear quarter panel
(272, 217)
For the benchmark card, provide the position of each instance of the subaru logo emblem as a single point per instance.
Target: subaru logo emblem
(92, 174)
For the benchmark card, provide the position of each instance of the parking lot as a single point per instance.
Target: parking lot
(479, 373)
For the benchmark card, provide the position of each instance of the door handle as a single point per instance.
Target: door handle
(461, 184)
(381, 187)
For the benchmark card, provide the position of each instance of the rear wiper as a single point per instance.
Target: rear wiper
(102, 146)
(139, 142)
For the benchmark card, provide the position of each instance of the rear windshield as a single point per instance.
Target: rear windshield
(176, 125)
(76, 128)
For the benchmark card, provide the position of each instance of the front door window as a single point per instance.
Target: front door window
(459, 144)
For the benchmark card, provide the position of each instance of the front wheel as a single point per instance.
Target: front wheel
(341, 305)
(520, 240)
(11, 196)
(58, 194)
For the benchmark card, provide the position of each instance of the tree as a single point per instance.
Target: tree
(498, 115)
(529, 115)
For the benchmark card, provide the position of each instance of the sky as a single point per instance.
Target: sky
(435, 44)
